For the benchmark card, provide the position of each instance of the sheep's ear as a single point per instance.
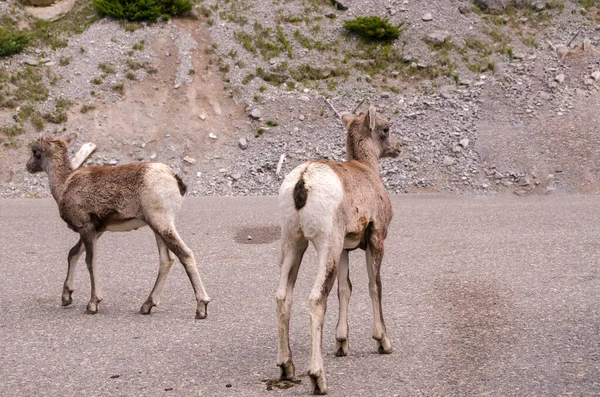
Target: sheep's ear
(70, 138)
(372, 117)
(347, 118)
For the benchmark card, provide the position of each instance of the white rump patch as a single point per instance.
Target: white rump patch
(325, 196)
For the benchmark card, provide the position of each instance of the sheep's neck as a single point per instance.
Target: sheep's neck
(59, 169)
(361, 148)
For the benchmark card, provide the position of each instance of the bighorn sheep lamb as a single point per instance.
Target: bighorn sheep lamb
(338, 206)
(93, 200)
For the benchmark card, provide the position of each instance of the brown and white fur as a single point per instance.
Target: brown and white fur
(93, 200)
(338, 206)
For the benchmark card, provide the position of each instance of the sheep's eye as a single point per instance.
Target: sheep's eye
(37, 154)
(386, 131)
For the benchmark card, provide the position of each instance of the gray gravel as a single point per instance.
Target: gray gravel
(481, 296)
(431, 117)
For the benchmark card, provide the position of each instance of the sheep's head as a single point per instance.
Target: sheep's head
(45, 148)
(375, 127)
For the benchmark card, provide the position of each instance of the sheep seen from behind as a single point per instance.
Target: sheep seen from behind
(338, 206)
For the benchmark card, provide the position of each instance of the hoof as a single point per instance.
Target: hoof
(92, 308)
(287, 371)
(385, 346)
(341, 348)
(318, 384)
(66, 298)
(147, 307)
(202, 312)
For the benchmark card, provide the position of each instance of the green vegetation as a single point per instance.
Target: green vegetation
(86, 108)
(272, 123)
(119, 88)
(106, 68)
(12, 42)
(373, 28)
(12, 130)
(143, 10)
(589, 3)
(270, 43)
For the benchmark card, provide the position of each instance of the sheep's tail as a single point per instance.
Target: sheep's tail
(300, 194)
(182, 186)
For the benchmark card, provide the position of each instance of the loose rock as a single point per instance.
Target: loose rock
(438, 37)
(189, 160)
(255, 114)
(449, 161)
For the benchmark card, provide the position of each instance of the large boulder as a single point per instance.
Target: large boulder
(50, 12)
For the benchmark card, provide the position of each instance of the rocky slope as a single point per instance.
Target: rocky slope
(482, 101)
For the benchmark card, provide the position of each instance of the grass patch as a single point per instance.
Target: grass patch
(308, 72)
(30, 85)
(86, 108)
(266, 41)
(12, 42)
(274, 77)
(107, 68)
(373, 28)
(248, 78)
(12, 130)
(142, 10)
(119, 88)
(139, 46)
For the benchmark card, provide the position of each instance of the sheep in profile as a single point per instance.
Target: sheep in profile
(338, 206)
(93, 200)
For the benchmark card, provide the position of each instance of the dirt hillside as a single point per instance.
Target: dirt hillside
(485, 102)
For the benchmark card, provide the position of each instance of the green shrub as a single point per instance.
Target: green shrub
(143, 10)
(12, 42)
(373, 28)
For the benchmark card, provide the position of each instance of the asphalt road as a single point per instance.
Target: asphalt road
(481, 296)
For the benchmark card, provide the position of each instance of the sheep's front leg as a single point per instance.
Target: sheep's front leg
(374, 258)
(328, 265)
(68, 287)
(166, 261)
(292, 254)
(344, 292)
(90, 240)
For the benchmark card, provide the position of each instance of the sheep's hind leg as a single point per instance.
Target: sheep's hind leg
(374, 258)
(186, 257)
(166, 261)
(292, 257)
(344, 292)
(68, 287)
(329, 256)
(90, 239)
